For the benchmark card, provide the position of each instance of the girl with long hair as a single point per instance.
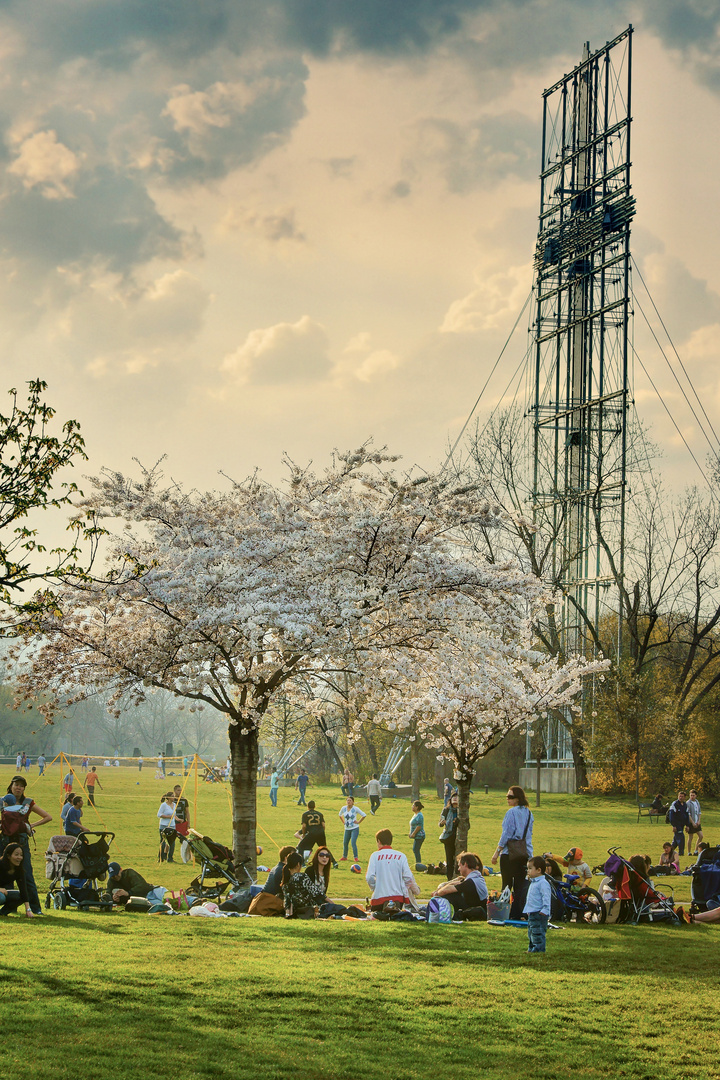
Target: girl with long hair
(13, 887)
(300, 894)
(319, 871)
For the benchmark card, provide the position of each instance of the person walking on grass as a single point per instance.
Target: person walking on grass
(41, 764)
(91, 780)
(351, 817)
(537, 904)
(301, 785)
(374, 792)
(68, 783)
(274, 785)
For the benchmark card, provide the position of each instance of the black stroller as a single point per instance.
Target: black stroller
(76, 866)
(705, 879)
(218, 869)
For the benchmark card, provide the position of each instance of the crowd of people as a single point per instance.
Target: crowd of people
(298, 886)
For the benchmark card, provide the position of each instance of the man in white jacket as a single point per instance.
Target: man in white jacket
(389, 874)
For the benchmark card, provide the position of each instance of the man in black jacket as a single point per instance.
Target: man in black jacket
(126, 883)
(680, 820)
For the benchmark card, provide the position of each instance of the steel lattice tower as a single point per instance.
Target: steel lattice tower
(579, 393)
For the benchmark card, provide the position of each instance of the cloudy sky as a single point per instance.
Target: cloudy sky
(233, 228)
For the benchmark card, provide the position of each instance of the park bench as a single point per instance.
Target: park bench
(646, 810)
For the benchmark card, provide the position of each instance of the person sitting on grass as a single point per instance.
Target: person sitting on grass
(711, 915)
(274, 878)
(300, 895)
(123, 884)
(13, 887)
(388, 873)
(669, 861)
(319, 870)
(468, 892)
(552, 868)
(577, 869)
(72, 818)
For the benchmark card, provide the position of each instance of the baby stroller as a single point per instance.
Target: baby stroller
(217, 866)
(583, 906)
(640, 900)
(705, 879)
(75, 866)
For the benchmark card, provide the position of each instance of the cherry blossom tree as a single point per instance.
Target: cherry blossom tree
(484, 678)
(225, 599)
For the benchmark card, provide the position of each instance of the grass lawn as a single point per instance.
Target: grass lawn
(154, 997)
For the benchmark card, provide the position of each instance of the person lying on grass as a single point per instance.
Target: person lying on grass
(126, 883)
(468, 892)
(388, 873)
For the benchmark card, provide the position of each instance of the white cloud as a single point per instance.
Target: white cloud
(45, 163)
(116, 328)
(496, 299)
(195, 111)
(364, 361)
(284, 353)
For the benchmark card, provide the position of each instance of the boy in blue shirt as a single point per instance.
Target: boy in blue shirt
(537, 904)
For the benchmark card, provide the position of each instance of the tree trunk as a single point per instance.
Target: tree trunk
(329, 743)
(414, 771)
(463, 787)
(243, 784)
(440, 778)
(537, 775)
(578, 752)
(372, 753)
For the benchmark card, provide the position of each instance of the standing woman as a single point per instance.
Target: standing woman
(417, 831)
(351, 816)
(517, 826)
(28, 806)
(166, 820)
(448, 837)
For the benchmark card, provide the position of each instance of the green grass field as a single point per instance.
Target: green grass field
(148, 996)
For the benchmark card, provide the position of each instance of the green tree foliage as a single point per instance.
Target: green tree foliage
(30, 459)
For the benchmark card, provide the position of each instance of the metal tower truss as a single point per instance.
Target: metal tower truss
(580, 394)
